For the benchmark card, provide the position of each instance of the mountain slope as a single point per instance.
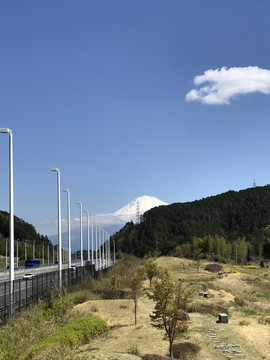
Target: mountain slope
(112, 222)
(229, 215)
(142, 203)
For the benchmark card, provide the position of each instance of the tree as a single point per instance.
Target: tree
(197, 251)
(137, 276)
(170, 302)
(151, 269)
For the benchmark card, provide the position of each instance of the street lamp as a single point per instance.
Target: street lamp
(11, 215)
(59, 226)
(103, 242)
(99, 246)
(92, 240)
(113, 251)
(81, 234)
(68, 219)
(88, 245)
(96, 261)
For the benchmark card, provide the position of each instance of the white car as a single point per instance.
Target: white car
(28, 276)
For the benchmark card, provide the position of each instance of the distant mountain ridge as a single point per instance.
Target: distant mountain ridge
(115, 221)
(229, 215)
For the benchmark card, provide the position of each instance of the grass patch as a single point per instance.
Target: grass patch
(76, 333)
(134, 351)
(154, 357)
(186, 351)
(244, 322)
(264, 320)
(80, 297)
(208, 308)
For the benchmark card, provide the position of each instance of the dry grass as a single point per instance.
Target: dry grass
(124, 337)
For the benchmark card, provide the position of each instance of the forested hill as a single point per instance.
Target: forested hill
(229, 216)
(22, 230)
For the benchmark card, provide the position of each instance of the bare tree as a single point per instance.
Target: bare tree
(137, 276)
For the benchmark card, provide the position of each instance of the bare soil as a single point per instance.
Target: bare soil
(127, 341)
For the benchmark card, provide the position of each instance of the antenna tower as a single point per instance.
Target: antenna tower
(138, 213)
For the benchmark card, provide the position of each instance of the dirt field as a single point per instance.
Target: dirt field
(125, 339)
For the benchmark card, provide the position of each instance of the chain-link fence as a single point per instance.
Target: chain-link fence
(25, 292)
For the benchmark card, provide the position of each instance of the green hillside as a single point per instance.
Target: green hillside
(231, 218)
(23, 231)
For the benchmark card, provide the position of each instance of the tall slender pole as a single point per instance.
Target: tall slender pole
(6, 256)
(17, 254)
(106, 252)
(59, 226)
(68, 221)
(113, 251)
(11, 212)
(11, 216)
(81, 233)
(88, 243)
(92, 240)
(96, 262)
(103, 247)
(48, 254)
(99, 243)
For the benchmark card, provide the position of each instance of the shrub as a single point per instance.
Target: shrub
(244, 322)
(238, 301)
(111, 293)
(134, 351)
(213, 268)
(58, 308)
(207, 308)
(186, 351)
(77, 332)
(264, 320)
(94, 308)
(154, 357)
(80, 297)
(183, 328)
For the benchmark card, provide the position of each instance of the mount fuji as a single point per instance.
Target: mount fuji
(138, 206)
(111, 222)
(129, 212)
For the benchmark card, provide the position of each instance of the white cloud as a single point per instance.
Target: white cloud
(221, 85)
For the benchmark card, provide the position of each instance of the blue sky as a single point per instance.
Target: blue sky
(99, 89)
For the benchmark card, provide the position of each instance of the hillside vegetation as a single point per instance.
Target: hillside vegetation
(226, 219)
(23, 232)
(241, 292)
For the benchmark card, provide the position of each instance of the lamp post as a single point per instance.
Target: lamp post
(81, 234)
(113, 251)
(99, 247)
(103, 247)
(11, 215)
(68, 221)
(88, 245)
(59, 226)
(96, 261)
(92, 240)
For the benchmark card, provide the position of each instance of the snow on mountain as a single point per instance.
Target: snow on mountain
(111, 222)
(142, 203)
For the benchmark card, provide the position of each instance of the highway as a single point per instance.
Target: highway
(18, 274)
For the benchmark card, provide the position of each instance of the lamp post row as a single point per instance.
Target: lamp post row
(11, 226)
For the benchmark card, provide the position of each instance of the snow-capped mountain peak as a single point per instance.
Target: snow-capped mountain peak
(141, 204)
